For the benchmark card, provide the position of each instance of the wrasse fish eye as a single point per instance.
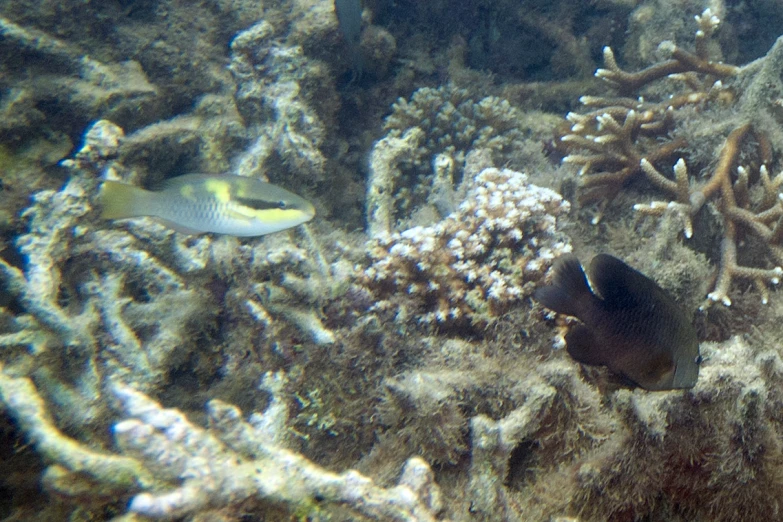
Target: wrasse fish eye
(629, 323)
(217, 203)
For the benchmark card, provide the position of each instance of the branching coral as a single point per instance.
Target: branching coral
(79, 327)
(77, 340)
(621, 140)
(83, 84)
(183, 469)
(235, 461)
(419, 340)
(474, 264)
(609, 142)
(298, 282)
(760, 214)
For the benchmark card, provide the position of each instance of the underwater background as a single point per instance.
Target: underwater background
(386, 360)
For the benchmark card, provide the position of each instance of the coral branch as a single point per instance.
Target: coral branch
(21, 398)
(211, 473)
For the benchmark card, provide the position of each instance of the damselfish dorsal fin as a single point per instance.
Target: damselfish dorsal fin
(620, 286)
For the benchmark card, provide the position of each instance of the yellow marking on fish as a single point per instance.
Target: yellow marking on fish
(220, 189)
(188, 192)
(241, 188)
(275, 215)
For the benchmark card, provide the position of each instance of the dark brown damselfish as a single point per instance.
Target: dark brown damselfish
(629, 324)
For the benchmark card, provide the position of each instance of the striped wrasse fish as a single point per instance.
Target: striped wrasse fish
(218, 203)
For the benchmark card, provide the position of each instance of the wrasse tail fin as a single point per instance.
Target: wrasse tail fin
(121, 200)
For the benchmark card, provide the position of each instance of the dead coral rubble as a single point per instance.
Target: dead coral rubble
(78, 326)
(83, 347)
(711, 453)
(277, 89)
(174, 468)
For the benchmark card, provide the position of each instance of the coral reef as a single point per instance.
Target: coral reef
(391, 365)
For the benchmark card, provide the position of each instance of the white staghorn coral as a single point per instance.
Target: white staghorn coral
(234, 461)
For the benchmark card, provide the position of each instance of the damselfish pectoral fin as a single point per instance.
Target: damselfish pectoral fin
(583, 347)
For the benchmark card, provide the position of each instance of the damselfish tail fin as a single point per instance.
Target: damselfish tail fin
(569, 292)
(121, 201)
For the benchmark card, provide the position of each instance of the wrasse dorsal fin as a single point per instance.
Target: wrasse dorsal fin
(178, 181)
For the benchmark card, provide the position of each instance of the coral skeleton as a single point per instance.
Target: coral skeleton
(90, 318)
(235, 460)
(283, 122)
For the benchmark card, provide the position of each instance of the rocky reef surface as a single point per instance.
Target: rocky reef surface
(386, 361)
